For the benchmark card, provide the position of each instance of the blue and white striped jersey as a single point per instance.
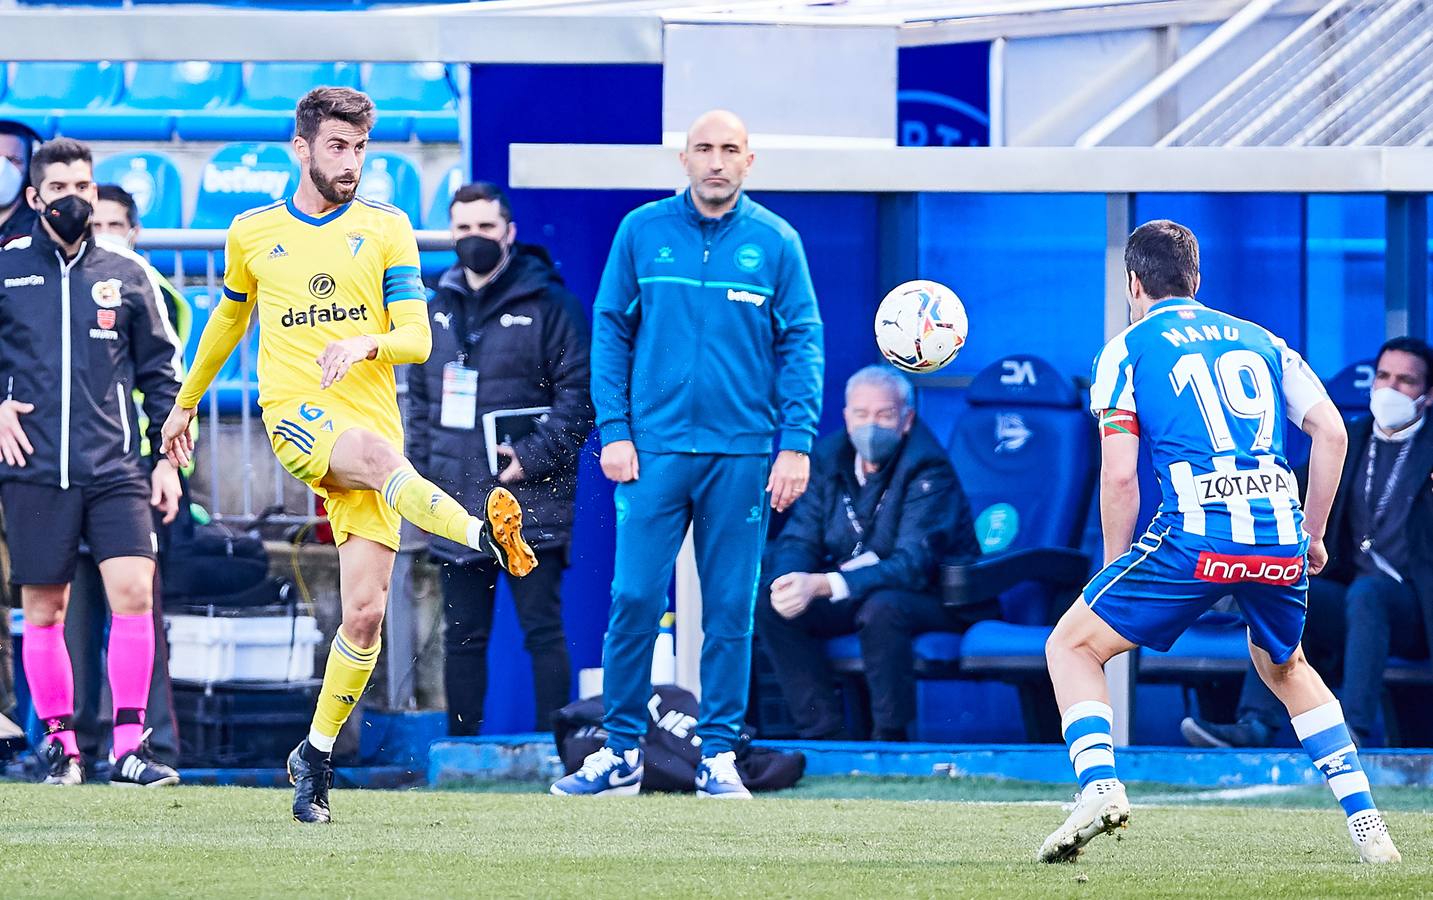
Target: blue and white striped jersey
(1211, 393)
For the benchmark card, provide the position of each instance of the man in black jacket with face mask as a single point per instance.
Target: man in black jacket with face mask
(861, 554)
(1374, 599)
(81, 327)
(506, 335)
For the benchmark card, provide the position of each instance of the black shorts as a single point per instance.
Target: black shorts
(44, 524)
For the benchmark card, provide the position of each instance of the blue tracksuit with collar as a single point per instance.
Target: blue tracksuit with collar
(706, 353)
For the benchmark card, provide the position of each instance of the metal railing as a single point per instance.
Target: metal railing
(224, 453)
(1355, 73)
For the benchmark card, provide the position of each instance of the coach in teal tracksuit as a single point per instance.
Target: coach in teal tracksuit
(706, 352)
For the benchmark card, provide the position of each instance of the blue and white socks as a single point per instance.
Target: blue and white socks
(1088, 727)
(1326, 739)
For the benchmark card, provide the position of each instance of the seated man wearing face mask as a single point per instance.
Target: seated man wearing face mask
(1375, 597)
(506, 335)
(861, 554)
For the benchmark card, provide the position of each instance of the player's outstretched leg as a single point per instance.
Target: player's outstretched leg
(497, 532)
(1321, 729)
(46, 660)
(364, 460)
(1076, 653)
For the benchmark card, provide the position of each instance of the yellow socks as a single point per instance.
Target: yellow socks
(426, 505)
(344, 678)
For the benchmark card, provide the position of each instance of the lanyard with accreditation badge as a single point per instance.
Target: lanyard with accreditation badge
(460, 391)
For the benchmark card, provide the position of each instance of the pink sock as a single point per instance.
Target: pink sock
(131, 665)
(52, 681)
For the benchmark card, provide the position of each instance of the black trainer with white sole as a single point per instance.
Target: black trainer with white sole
(139, 768)
(311, 782)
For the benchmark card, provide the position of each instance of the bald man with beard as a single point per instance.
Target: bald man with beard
(706, 357)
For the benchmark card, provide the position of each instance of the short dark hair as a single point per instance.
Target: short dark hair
(323, 103)
(1164, 255)
(116, 194)
(60, 150)
(1416, 346)
(482, 190)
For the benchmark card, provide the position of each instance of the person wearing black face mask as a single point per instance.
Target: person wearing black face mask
(860, 554)
(506, 335)
(81, 328)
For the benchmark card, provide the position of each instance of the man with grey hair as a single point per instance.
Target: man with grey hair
(860, 554)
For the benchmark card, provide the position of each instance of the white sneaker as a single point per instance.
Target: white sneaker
(718, 778)
(1099, 809)
(1371, 838)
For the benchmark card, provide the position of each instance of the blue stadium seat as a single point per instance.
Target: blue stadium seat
(437, 218)
(237, 178)
(409, 93)
(393, 179)
(240, 177)
(433, 262)
(153, 180)
(265, 111)
(1213, 646)
(40, 92)
(1349, 389)
(229, 384)
(937, 654)
(1026, 454)
(158, 93)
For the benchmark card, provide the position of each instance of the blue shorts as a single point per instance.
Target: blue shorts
(1167, 580)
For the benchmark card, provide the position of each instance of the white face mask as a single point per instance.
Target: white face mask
(10, 182)
(1392, 409)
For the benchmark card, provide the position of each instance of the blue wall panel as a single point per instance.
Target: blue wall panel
(1030, 269)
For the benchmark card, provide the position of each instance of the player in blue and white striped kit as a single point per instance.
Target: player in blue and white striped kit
(1209, 393)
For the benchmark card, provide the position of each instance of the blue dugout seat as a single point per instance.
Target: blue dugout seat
(153, 180)
(413, 100)
(40, 92)
(158, 94)
(229, 384)
(1026, 451)
(393, 179)
(1349, 389)
(265, 110)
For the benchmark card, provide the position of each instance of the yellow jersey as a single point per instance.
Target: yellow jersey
(313, 281)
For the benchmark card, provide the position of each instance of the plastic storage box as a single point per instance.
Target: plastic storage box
(239, 725)
(246, 648)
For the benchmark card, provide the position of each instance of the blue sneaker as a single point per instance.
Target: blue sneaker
(717, 778)
(604, 774)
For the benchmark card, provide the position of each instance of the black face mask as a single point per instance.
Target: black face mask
(69, 217)
(478, 254)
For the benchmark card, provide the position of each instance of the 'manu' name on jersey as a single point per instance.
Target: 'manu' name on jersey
(1211, 393)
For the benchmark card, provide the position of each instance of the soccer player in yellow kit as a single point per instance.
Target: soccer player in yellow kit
(335, 279)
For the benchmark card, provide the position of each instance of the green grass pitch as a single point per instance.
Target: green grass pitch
(829, 838)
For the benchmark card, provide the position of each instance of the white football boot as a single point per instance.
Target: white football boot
(1100, 808)
(1371, 838)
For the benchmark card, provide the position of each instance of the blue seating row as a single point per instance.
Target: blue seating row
(245, 175)
(1025, 452)
(216, 101)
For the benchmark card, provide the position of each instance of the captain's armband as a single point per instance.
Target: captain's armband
(1118, 421)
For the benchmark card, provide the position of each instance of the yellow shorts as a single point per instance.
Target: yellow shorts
(303, 435)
